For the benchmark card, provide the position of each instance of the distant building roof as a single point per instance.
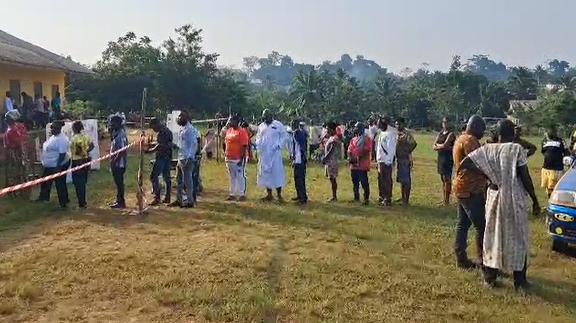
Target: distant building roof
(17, 51)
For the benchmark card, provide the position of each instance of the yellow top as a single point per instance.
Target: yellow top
(79, 146)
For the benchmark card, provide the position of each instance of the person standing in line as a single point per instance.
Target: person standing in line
(372, 133)
(299, 142)
(210, 142)
(15, 142)
(330, 159)
(385, 154)
(55, 158)
(269, 142)
(237, 142)
(118, 162)
(189, 144)
(443, 146)
(470, 192)
(80, 147)
(405, 145)
(27, 110)
(554, 150)
(162, 161)
(505, 246)
(315, 135)
(359, 157)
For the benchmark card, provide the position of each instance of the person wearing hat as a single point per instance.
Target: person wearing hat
(55, 158)
(15, 139)
(162, 161)
(269, 142)
(359, 155)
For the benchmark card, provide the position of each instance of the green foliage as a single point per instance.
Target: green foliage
(179, 74)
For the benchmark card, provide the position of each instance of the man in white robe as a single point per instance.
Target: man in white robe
(269, 141)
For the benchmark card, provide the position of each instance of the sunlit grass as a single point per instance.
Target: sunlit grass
(256, 262)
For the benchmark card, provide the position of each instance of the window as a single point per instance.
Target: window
(38, 90)
(55, 89)
(15, 92)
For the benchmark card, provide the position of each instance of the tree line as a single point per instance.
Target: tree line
(180, 74)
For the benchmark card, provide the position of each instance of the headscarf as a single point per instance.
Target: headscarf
(13, 115)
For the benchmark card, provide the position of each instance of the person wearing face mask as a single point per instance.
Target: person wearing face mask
(189, 139)
(269, 142)
(55, 158)
(118, 162)
(81, 146)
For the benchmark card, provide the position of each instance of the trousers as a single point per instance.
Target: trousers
(236, 178)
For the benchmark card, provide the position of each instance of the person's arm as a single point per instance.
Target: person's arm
(530, 147)
(63, 147)
(524, 175)
(90, 146)
(436, 145)
(448, 143)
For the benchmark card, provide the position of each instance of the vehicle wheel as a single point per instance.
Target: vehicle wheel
(558, 245)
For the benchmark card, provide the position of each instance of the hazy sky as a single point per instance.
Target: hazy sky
(396, 34)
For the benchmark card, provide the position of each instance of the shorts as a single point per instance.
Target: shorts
(404, 170)
(550, 178)
(331, 170)
(445, 167)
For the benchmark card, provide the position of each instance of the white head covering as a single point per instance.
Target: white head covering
(12, 115)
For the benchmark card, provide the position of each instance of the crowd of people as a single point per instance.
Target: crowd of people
(35, 113)
(490, 183)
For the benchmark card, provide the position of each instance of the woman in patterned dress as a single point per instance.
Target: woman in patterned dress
(15, 140)
(506, 236)
(332, 152)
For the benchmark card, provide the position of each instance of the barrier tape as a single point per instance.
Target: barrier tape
(62, 173)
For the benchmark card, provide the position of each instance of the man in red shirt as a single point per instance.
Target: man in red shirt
(359, 152)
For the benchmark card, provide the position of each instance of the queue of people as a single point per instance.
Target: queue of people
(35, 113)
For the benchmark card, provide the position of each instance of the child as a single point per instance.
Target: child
(80, 146)
(333, 150)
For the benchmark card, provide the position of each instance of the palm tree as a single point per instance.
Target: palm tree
(307, 90)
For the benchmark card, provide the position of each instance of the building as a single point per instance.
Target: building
(25, 67)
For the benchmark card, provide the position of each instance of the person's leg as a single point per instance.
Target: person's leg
(79, 183)
(179, 187)
(279, 194)
(269, 196)
(296, 178)
(334, 187)
(300, 182)
(241, 182)
(381, 184)
(190, 184)
(62, 188)
(209, 154)
(303, 185)
(520, 280)
(446, 189)
(118, 175)
(490, 275)
(46, 187)
(195, 180)
(365, 185)
(156, 170)
(475, 208)
(390, 183)
(355, 184)
(167, 181)
(232, 179)
(461, 238)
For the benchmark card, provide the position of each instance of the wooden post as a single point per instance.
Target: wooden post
(140, 193)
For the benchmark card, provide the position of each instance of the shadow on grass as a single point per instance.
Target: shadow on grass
(561, 293)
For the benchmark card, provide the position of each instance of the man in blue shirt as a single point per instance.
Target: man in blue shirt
(119, 161)
(298, 144)
(189, 144)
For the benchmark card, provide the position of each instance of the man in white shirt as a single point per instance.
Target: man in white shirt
(385, 154)
(55, 158)
(6, 107)
(373, 132)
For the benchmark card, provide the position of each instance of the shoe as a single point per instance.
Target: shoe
(467, 265)
(366, 202)
(175, 204)
(523, 286)
(302, 202)
(294, 199)
(242, 199)
(118, 205)
(231, 198)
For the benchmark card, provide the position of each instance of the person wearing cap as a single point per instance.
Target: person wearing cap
(80, 147)
(118, 162)
(162, 161)
(15, 139)
(359, 156)
(269, 142)
(55, 158)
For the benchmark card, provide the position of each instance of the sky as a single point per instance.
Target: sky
(396, 34)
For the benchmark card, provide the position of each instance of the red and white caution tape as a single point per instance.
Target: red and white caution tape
(62, 173)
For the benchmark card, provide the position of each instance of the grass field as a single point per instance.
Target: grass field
(255, 262)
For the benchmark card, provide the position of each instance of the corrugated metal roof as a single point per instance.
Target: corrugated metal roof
(17, 51)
